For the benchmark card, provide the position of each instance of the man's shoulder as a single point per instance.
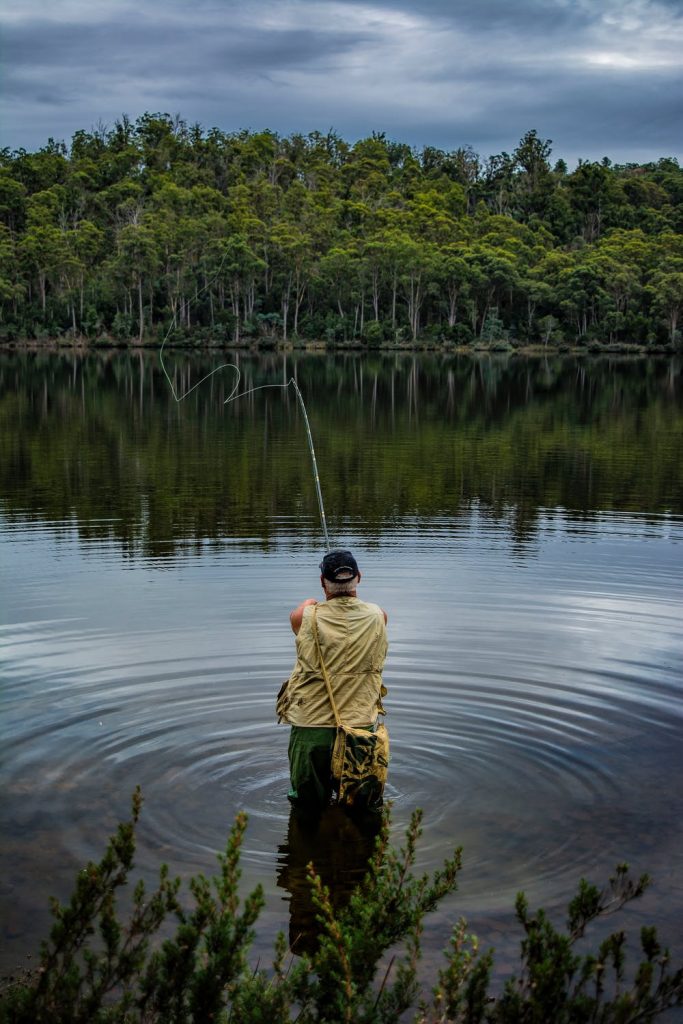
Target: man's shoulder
(301, 612)
(371, 609)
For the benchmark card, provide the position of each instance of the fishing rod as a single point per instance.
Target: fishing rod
(235, 394)
(319, 492)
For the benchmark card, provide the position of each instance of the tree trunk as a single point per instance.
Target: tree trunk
(140, 310)
(249, 299)
(485, 313)
(452, 305)
(235, 304)
(285, 313)
(414, 304)
(299, 292)
(474, 315)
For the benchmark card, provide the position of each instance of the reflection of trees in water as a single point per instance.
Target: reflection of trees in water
(100, 438)
(339, 847)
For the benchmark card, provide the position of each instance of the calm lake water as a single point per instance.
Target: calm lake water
(522, 523)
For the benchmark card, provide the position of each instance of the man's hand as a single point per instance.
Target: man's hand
(297, 615)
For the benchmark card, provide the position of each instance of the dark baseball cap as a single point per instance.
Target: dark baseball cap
(339, 566)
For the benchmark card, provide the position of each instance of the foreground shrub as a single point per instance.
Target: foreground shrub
(94, 968)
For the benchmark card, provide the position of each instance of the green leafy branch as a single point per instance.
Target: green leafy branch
(96, 968)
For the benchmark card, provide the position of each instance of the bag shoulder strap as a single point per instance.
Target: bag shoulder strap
(328, 684)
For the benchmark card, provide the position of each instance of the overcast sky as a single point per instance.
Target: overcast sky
(598, 77)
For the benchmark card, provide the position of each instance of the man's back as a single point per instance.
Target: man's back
(353, 641)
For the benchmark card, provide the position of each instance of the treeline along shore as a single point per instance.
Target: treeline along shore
(155, 229)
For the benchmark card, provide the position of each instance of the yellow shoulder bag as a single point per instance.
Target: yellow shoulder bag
(360, 757)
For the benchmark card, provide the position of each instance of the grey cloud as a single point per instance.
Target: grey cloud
(627, 122)
(502, 68)
(49, 46)
(536, 16)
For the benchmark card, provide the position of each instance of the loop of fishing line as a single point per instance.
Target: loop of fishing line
(235, 394)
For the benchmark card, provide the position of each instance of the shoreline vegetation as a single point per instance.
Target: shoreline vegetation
(156, 229)
(83, 346)
(98, 965)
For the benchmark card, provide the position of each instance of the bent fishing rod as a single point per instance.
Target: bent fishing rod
(235, 394)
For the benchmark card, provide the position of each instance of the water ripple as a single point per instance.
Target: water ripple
(534, 714)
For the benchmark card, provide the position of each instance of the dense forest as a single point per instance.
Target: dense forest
(155, 227)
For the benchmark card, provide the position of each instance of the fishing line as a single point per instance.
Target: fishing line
(235, 394)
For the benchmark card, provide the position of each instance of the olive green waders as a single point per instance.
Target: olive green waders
(310, 756)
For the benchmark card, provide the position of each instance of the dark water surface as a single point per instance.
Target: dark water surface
(520, 520)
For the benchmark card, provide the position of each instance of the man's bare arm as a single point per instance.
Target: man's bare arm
(297, 615)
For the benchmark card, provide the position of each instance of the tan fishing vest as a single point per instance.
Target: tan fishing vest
(353, 639)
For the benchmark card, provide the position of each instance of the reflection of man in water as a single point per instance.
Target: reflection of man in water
(353, 641)
(339, 847)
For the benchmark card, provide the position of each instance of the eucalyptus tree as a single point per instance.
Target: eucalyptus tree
(137, 260)
(12, 287)
(666, 289)
(293, 265)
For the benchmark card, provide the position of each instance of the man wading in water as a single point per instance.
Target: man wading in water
(353, 643)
